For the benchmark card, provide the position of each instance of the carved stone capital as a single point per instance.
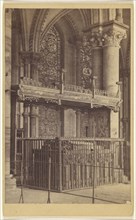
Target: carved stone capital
(96, 39)
(113, 38)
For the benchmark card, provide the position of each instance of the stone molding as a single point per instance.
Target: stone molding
(29, 57)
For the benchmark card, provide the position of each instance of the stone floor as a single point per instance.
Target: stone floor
(117, 193)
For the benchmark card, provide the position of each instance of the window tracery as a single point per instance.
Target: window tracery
(49, 66)
(86, 63)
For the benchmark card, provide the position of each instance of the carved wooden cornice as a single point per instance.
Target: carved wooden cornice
(36, 94)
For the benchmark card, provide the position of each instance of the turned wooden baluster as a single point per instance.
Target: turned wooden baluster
(119, 89)
(62, 81)
(93, 85)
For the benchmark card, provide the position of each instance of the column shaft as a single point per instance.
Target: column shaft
(78, 65)
(114, 124)
(119, 16)
(26, 115)
(97, 66)
(110, 68)
(34, 126)
(7, 88)
(78, 123)
(34, 110)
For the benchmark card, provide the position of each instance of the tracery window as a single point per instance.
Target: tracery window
(49, 66)
(86, 63)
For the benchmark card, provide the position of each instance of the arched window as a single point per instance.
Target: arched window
(49, 67)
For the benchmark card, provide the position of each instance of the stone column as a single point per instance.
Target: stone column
(97, 57)
(34, 58)
(112, 36)
(112, 39)
(7, 89)
(78, 123)
(78, 65)
(110, 69)
(119, 16)
(25, 58)
(26, 120)
(15, 48)
(34, 125)
(34, 110)
(61, 121)
(97, 66)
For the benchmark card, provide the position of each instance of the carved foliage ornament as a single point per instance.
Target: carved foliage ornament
(96, 39)
(108, 38)
(48, 123)
(113, 38)
(86, 63)
(49, 66)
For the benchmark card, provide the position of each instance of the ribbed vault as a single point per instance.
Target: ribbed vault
(74, 20)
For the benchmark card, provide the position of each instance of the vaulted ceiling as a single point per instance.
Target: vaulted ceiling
(34, 23)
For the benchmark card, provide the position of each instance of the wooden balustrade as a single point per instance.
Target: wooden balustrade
(67, 87)
(31, 91)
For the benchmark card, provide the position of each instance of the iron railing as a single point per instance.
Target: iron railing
(75, 162)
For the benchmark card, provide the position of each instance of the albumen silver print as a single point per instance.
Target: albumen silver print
(67, 105)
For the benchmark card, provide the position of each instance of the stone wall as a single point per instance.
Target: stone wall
(7, 75)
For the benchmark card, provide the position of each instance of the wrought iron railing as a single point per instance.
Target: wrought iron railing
(75, 162)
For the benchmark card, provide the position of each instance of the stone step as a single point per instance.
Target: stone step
(10, 182)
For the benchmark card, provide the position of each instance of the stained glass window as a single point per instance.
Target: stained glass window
(86, 63)
(49, 66)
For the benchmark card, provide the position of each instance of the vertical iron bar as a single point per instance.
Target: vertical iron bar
(60, 166)
(22, 174)
(49, 181)
(49, 176)
(93, 193)
(21, 196)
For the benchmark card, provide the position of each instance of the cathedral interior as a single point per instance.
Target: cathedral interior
(67, 75)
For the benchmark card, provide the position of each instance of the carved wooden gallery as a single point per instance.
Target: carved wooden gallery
(67, 97)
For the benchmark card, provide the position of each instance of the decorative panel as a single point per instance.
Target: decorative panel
(86, 63)
(100, 118)
(49, 66)
(84, 124)
(48, 122)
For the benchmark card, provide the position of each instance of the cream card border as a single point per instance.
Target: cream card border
(72, 209)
